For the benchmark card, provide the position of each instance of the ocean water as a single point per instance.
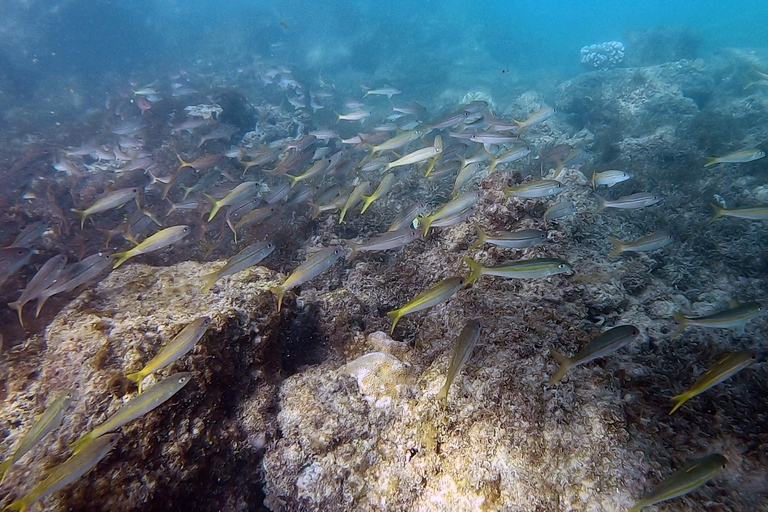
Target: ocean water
(144, 144)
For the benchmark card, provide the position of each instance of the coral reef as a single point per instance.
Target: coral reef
(603, 56)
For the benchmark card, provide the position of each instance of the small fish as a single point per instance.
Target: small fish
(382, 91)
(42, 280)
(510, 239)
(608, 178)
(655, 240)
(537, 268)
(487, 138)
(607, 343)
(29, 234)
(737, 157)
(460, 204)
(46, 423)
(222, 132)
(536, 189)
(246, 258)
(432, 296)
(755, 213)
(692, 475)
(114, 199)
(398, 141)
(237, 193)
(508, 156)
(355, 197)
(420, 155)
(317, 169)
(559, 210)
(466, 172)
(631, 202)
(725, 367)
(162, 238)
(72, 469)
(73, 276)
(537, 117)
(174, 350)
(414, 109)
(355, 115)
(257, 215)
(383, 242)
(11, 260)
(202, 163)
(386, 183)
(736, 317)
(407, 216)
(464, 345)
(136, 407)
(315, 265)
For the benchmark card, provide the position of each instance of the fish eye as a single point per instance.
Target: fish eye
(182, 380)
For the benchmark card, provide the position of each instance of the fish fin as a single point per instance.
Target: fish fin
(565, 365)
(137, 377)
(712, 160)
(683, 321)
(482, 236)
(476, 270)
(600, 203)
(395, 316)
(368, 201)
(210, 280)
(82, 215)
(18, 307)
(740, 329)
(494, 163)
(679, 400)
(719, 212)
(215, 208)
(18, 505)
(425, 223)
(438, 142)
(5, 467)
(594, 180)
(618, 247)
(353, 247)
(443, 394)
(121, 258)
(280, 292)
(294, 179)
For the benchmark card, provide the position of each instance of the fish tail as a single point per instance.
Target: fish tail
(210, 280)
(138, 378)
(600, 203)
(719, 212)
(18, 307)
(343, 214)
(82, 215)
(494, 163)
(121, 258)
(280, 292)
(395, 316)
(443, 394)
(18, 505)
(482, 236)
(294, 179)
(368, 201)
(559, 169)
(594, 180)
(476, 270)
(40, 301)
(683, 321)
(712, 160)
(618, 247)
(679, 400)
(427, 221)
(565, 365)
(216, 206)
(5, 467)
(353, 247)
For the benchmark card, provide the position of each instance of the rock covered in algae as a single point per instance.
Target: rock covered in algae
(198, 450)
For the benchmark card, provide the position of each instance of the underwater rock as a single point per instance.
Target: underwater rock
(202, 446)
(603, 56)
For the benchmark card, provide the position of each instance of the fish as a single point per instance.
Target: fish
(236, 194)
(246, 258)
(73, 276)
(112, 200)
(11, 260)
(457, 205)
(420, 155)
(258, 215)
(630, 202)
(607, 343)
(559, 210)
(42, 280)
(608, 178)
(537, 117)
(735, 317)
(414, 109)
(430, 297)
(398, 141)
(386, 183)
(355, 115)
(755, 213)
(208, 180)
(508, 156)
(407, 216)
(383, 242)
(692, 475)
(382, 91)
(162, 238)
(136, 407)
(355, 197)
(69, 471)
(537, 268)
(29, 234)
(464, 345)
(317, 169)
(737, 157)
(46, 423)
(174, 350)
(315, 265)
(202, 163)
(655, 240)
(521, 239)
(536, 189)
(725, 367)
(573, 156)
(488, 138)
(222, 132)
